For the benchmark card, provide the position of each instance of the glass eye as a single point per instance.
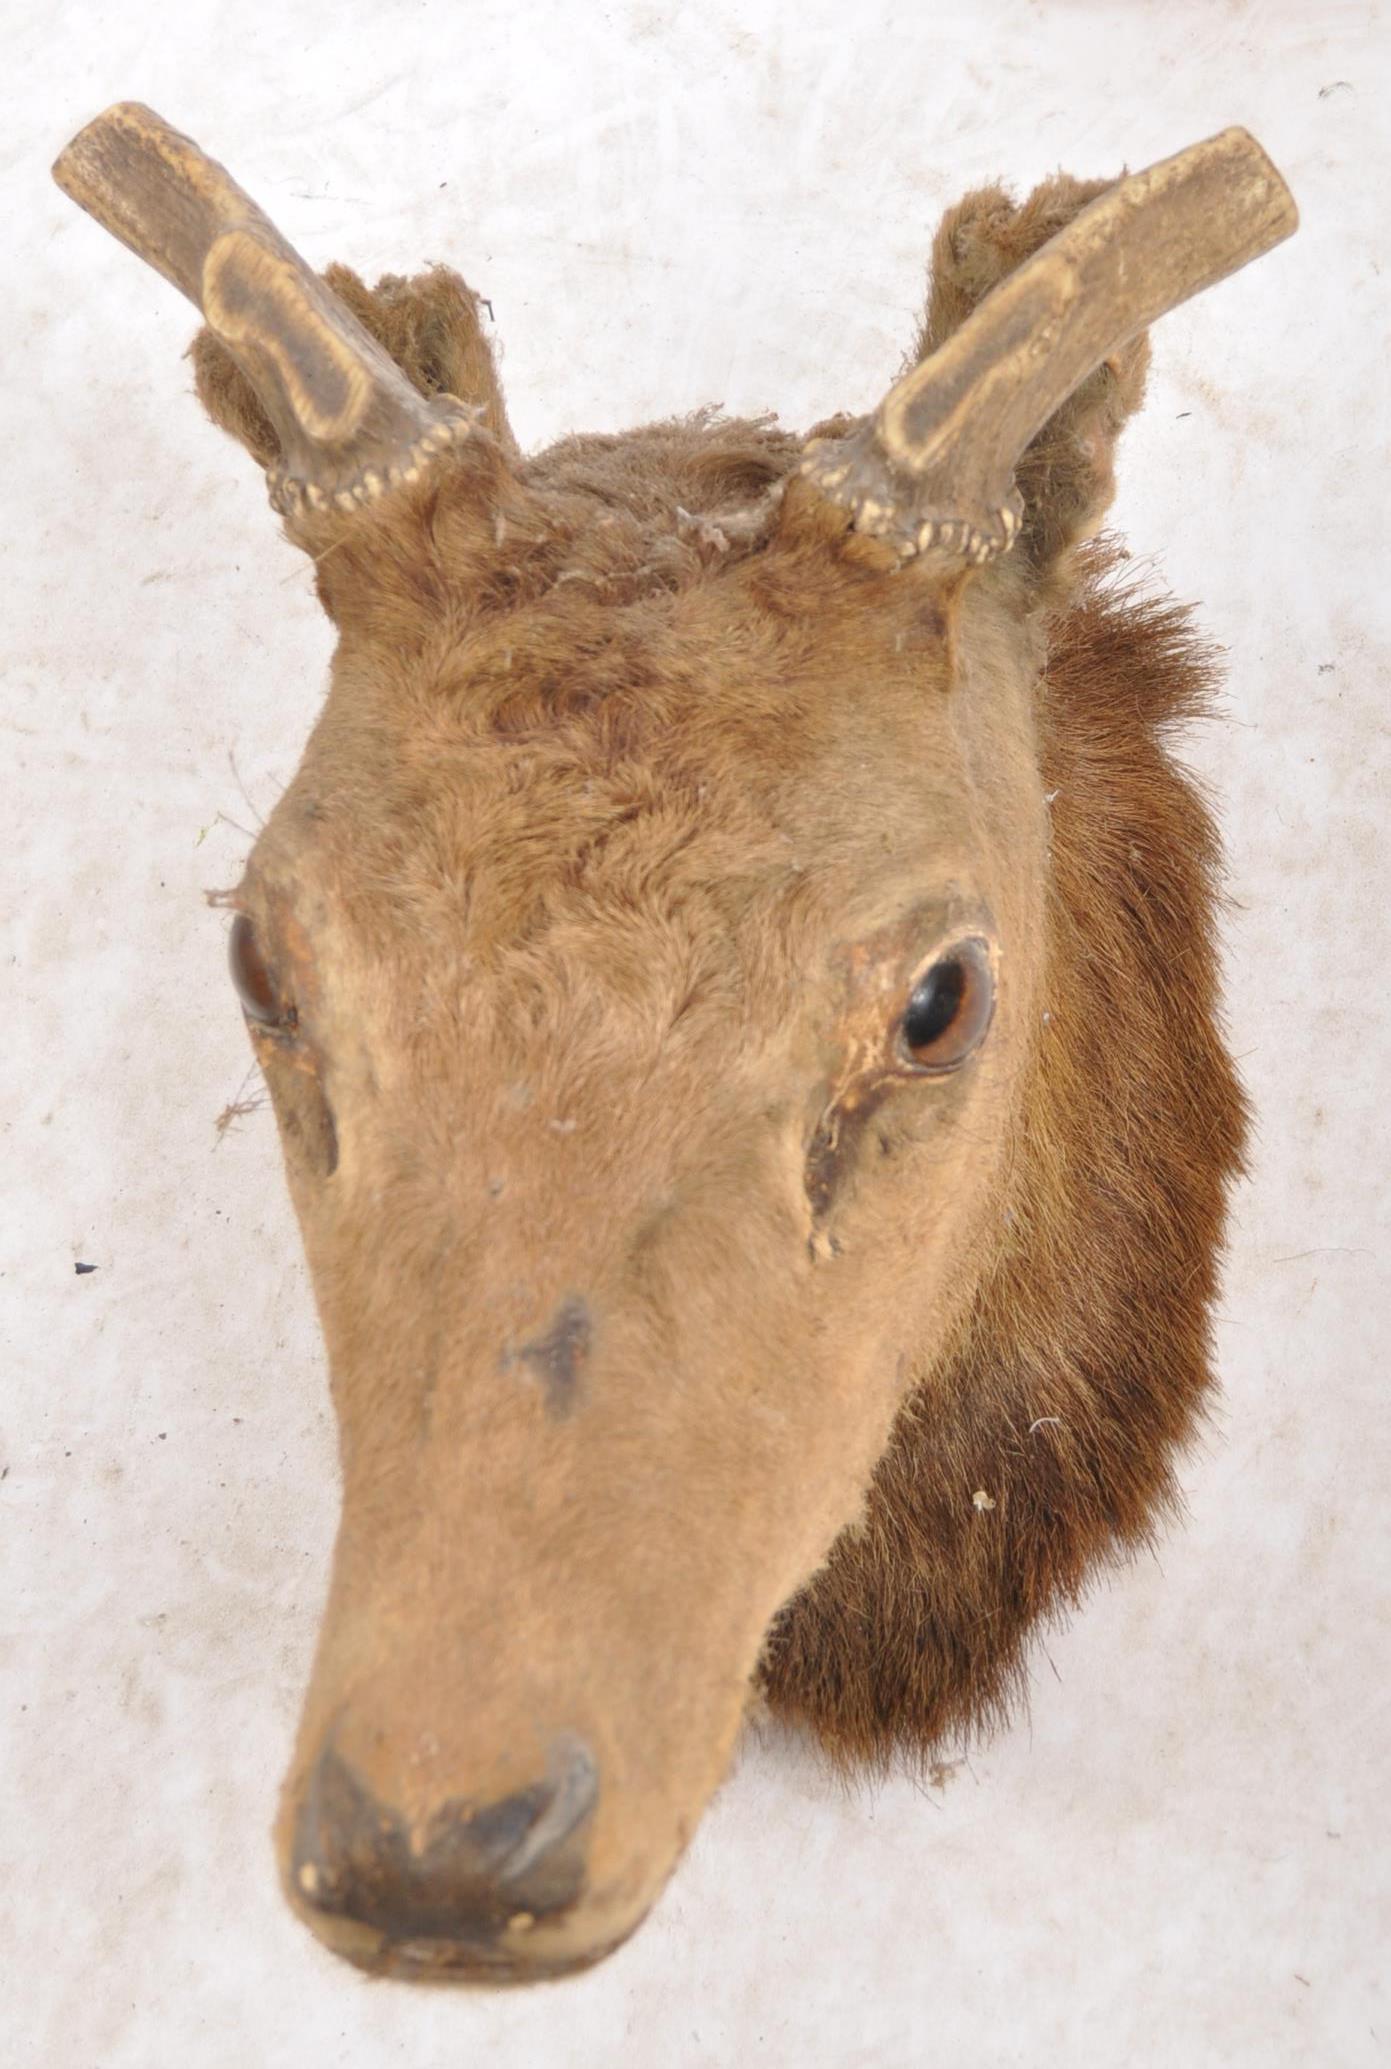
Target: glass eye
(260, 1001)
(949, 1009)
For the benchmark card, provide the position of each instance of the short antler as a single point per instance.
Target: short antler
(934, 466)
(349, 422)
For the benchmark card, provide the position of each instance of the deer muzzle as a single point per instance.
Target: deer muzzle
(565, 1532)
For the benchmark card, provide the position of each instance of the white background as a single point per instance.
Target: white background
(1180, 1856)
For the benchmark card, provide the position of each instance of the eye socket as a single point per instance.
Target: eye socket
(949, 1009)
(260, 1001)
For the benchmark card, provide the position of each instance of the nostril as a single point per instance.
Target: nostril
(526, 1831)
(460, 1874)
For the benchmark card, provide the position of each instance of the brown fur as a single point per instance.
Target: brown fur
(1085, 1357)
(641, 789)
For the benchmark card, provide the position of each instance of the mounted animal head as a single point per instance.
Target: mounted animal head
(760, 1161)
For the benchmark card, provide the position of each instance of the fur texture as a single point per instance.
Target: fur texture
(1084, 1360)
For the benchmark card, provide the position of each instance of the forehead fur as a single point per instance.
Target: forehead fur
(618, 696)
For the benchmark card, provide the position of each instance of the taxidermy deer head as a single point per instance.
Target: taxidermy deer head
(735, 976)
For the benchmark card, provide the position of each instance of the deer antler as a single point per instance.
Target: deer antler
(934, 466)
(349, 422)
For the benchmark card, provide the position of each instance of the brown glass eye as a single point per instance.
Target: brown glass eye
(949, 1009)
(256, 989)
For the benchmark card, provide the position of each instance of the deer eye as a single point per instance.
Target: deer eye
(260, 1000)
(949, 1009)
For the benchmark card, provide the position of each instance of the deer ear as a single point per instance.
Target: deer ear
(428, 324)
(231, 401)
(1066, 474)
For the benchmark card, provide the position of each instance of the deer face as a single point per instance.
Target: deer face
(643, 1072)
(643, 963)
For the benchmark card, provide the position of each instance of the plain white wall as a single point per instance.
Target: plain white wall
(1180, 1856)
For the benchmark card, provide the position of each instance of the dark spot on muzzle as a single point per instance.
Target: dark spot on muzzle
(558, 1357)
(456, 1879)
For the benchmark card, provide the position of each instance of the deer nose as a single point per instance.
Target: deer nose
(443, 1891)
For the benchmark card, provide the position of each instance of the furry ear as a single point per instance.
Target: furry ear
(430, 326)
(1066, 476)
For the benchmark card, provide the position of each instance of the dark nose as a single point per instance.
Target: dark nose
(456, 1881)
